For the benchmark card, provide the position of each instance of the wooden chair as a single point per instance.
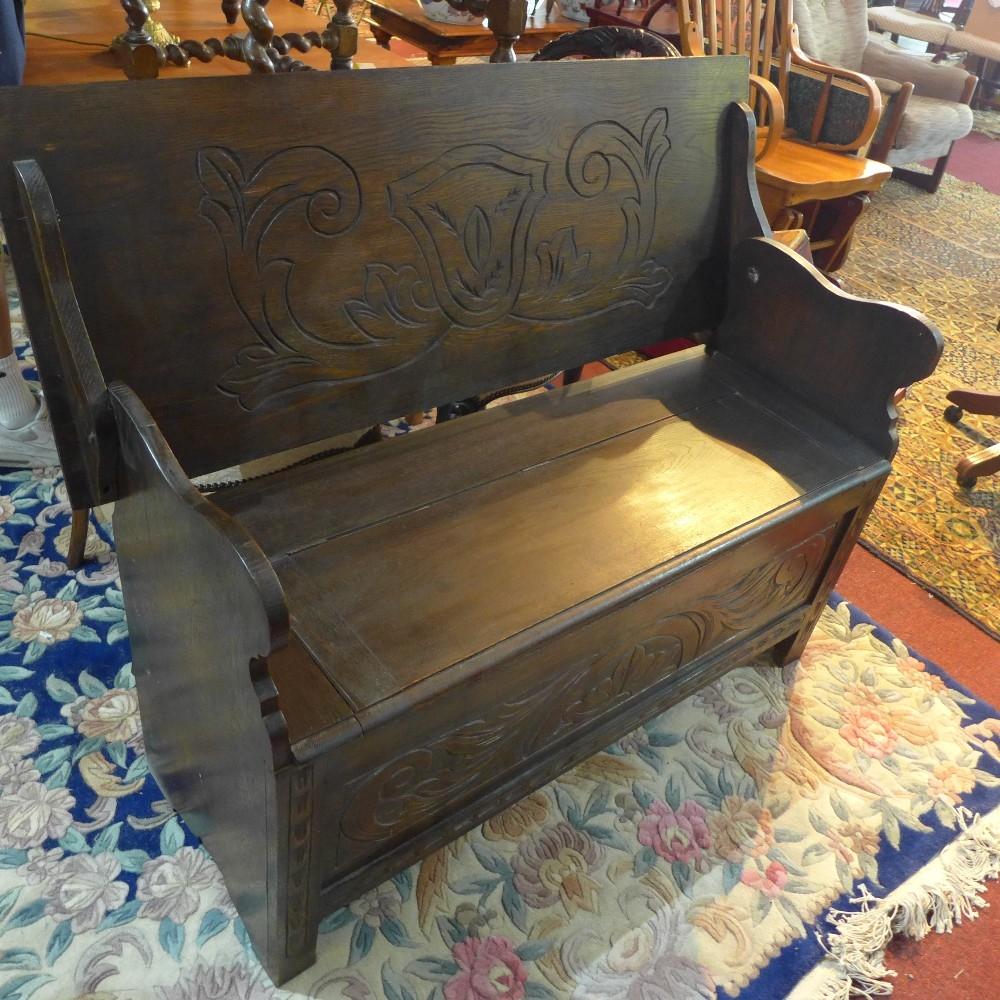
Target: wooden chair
(804, 159)
(926, 103)
(986, 461)
(343, 667)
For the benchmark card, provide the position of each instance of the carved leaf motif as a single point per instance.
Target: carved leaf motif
(423, 781)
(470, 212)
(478, 239)
(476, 261)
(590, 167)
(222, 180)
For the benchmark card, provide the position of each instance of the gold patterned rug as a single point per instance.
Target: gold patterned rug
(986, 122)
(940, 254)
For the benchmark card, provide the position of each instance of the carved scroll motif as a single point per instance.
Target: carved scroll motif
(480, 255)
(420, 783)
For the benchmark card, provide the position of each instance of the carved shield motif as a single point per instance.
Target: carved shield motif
(470, 211)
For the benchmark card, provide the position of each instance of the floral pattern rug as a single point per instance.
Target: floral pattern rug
(939, 254)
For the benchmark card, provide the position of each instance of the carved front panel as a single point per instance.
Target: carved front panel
(488, 244)
(566, 685)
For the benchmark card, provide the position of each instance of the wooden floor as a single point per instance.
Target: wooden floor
(68, 39)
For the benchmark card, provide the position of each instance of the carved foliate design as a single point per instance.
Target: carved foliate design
(323, 193)
(419, 784)
(480, 254)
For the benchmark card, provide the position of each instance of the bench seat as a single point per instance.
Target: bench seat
(531, 510)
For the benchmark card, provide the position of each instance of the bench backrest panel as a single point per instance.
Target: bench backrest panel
(268, 261)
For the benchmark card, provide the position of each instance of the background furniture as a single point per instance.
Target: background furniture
(659, 17)
(927, 103)
(261, 48)
(796, 174)
(56, 31)
(986, 461)
(361, 733)
(445, 43)
(980, 37)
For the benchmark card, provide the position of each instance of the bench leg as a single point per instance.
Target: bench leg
(791, 648)
(78, 538)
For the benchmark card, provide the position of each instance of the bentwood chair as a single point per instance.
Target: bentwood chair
(815, 121)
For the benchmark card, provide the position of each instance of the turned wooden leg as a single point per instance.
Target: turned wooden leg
(139, 57)
(507, 20)
(381, 36)
(342, 33)
(78, 538)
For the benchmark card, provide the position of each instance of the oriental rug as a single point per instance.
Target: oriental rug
(986, 122)
(939, 254)
(695, 858)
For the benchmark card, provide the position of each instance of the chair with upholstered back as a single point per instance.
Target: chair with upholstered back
(815, 120)
(927, 103)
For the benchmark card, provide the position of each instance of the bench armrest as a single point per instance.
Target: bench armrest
(74, 385)
(843, 356)
(205, 611)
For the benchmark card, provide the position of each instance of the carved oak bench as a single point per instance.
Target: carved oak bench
(343, 666)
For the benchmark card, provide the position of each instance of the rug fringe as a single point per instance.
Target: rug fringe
(946, 892)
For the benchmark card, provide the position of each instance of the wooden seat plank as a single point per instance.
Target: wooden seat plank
(300, 507)
(412, 588)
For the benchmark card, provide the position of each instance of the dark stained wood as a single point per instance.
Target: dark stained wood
(74, 383)
(79, 527)
(324, 352)
(346, 664)
(874, 347)
(631, 488)
(219, 767)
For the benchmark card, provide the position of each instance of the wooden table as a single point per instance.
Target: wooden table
(95, 22)
(664, 21)
(444, 43)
